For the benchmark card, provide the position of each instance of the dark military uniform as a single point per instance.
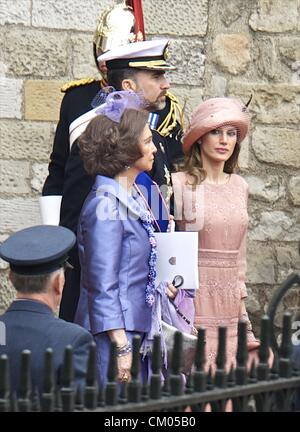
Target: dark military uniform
(68, 178)
(170, 126)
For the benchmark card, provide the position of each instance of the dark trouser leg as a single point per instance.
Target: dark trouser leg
(71, 290)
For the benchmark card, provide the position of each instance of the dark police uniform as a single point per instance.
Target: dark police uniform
(31, 324)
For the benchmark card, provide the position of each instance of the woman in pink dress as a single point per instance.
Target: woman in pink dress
(212, 200)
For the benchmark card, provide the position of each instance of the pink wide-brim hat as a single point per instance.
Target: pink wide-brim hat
(214, 113)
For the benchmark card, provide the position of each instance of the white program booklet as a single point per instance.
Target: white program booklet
(177, 255)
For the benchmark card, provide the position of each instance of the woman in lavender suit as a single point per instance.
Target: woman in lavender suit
(115, 234)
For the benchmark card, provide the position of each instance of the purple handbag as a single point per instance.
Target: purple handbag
(178, 315)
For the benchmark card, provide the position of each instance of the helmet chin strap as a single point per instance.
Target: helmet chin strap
(250, 99)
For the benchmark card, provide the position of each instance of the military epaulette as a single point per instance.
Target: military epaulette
(76, 83)
(174, 115)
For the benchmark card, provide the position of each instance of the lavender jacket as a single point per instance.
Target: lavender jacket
(114, 251)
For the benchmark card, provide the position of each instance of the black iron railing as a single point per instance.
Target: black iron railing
(260, 388)
(289, 283)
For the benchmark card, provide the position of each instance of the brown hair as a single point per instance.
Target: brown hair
(107, 147)
(193, 164)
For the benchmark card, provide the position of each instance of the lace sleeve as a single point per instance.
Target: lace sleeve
(251, 339)
(242, 267)
(242, 260)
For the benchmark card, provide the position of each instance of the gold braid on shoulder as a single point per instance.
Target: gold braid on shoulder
(76, 83)
(175, 114)
(103, 83)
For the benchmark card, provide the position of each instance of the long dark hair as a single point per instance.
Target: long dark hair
(193, 164)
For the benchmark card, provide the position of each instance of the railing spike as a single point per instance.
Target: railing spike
(135, 385)
(155, 378)
(67, 390)
(91, 388)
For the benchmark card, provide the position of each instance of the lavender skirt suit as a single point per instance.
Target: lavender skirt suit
(114, 251)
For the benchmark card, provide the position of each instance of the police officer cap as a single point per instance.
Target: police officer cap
(38, 250)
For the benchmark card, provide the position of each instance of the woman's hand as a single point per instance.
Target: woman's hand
(124, 365)
(271, 358)
(171, 291)
(124, 360)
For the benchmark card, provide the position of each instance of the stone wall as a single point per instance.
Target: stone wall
(234, 48)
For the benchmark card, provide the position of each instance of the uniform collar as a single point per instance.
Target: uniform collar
(29, 306)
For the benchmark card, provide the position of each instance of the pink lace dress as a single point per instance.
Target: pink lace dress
(219, 214)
